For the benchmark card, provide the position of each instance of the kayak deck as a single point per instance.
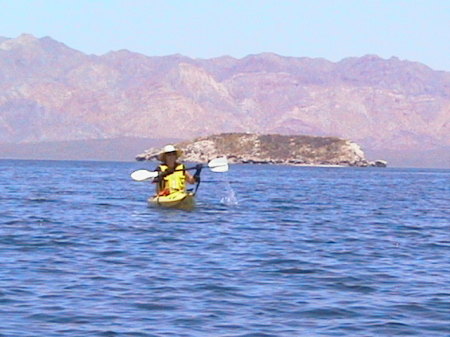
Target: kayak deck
(179, 200)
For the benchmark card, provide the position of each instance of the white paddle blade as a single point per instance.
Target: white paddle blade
(219, 165)
(142, 175)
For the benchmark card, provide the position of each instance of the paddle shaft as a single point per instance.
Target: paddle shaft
(185, 169)
(216, 165)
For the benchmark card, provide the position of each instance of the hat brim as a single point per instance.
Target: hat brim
(162, 155)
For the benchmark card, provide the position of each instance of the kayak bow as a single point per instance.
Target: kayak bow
(179, 200)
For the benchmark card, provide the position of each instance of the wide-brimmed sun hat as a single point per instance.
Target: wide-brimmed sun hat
(169, 149)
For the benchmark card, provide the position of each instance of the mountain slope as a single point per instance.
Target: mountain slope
(50, 92)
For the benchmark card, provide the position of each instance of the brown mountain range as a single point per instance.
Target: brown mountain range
(397, 110)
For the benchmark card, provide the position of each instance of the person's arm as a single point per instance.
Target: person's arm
(192, 179)
(158, 178)
(189, 178)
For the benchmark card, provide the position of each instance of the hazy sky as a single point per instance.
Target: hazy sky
(415, 30)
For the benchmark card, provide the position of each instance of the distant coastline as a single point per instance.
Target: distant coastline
(114, 149)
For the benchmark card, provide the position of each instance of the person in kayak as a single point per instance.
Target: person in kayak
(172, 174)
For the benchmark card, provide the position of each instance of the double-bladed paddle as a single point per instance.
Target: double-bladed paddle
(218, 165)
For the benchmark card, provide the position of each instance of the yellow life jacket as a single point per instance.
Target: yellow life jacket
(173, 182)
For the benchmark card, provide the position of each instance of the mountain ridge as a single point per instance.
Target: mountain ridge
(51, 92)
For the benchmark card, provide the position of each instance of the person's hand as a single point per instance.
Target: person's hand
(166, 173)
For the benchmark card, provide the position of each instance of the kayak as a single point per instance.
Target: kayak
(180, 200)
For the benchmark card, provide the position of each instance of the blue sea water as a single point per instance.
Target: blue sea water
(269, 251)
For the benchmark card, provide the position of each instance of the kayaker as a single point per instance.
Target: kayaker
(172, 174)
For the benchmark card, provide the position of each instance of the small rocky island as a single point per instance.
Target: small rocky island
(248, 148)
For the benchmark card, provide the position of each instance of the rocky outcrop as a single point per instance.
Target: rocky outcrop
(272, 149)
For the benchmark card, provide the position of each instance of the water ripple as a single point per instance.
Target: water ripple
(330, 252)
